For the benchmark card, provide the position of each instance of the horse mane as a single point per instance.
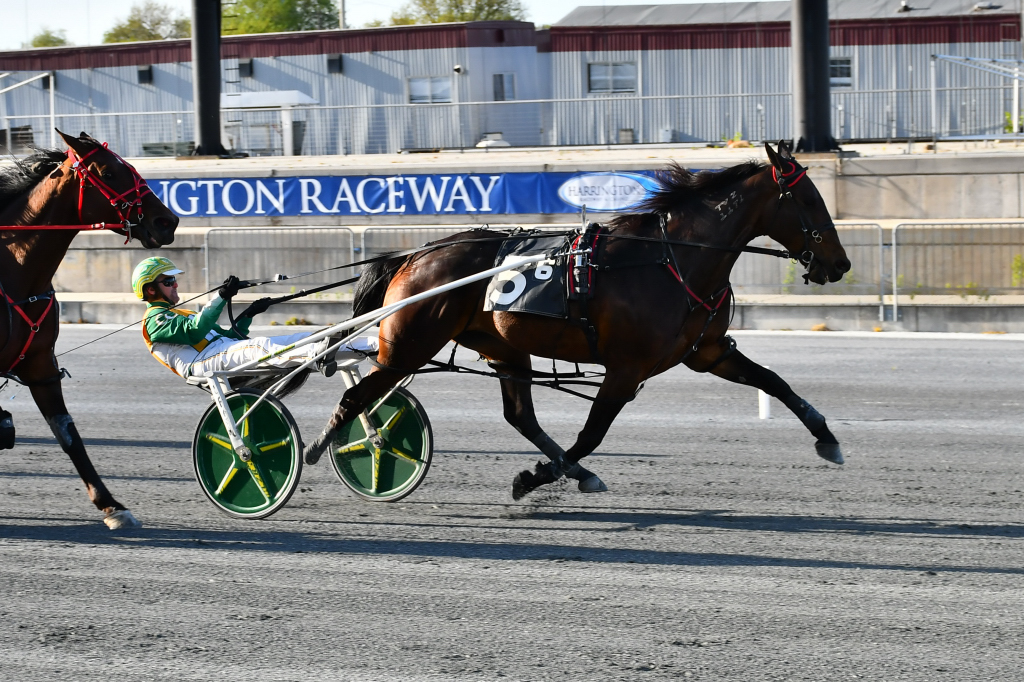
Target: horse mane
(26, 173)
(681, 187)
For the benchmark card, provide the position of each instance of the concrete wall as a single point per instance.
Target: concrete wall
(941, 186)
(103, 262)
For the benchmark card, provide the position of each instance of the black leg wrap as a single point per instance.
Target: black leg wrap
(810, 417)
(6, 430)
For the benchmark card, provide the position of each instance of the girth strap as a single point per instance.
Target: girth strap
(33, 326)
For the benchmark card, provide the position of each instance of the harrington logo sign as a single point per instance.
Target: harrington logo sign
(606, 191)
(448, 194)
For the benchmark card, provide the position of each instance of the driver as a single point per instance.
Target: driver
(191, 344)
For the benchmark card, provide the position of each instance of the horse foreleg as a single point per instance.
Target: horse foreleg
(617, 389)
(50, 400)
(517, 399)
(740, 369)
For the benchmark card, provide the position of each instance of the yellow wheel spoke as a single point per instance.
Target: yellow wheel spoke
(259, 479)
(361, 445)
(376, 469)
(226, 480)
(401, 455)
(267, 447)
(219, 441)
(395, 418)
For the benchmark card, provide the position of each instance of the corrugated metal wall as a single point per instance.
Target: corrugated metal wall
(682, 95)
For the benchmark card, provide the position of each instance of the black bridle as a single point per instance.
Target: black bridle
(786, 180)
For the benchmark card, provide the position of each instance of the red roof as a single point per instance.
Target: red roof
(349, 41)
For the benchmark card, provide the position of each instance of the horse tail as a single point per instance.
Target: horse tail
(373, 285)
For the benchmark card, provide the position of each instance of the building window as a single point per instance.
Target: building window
(840, 71)
(430, 90)
(504, 87)
(245, 68)
(145, 74)
(611, 77)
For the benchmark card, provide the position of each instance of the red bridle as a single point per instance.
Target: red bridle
(124, 203)
(791, 177)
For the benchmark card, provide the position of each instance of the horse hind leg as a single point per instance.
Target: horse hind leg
(517, 401)
(617, 389)
(6, 430)
(356, 399)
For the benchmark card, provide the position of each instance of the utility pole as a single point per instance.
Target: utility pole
(812, 115)
(206, 76)
(341, 14)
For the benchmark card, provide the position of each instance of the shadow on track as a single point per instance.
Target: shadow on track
(259, 539)
(783, 524)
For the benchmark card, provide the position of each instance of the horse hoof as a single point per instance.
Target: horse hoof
(6, 433)
(122, 518)
(311, 453)
(310, 456)
(523, 484)
(829, 451)
(592, 485)
(528, 481)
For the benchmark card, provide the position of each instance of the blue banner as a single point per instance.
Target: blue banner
(390, 195)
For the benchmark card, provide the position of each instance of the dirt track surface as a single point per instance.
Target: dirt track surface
(725, 550)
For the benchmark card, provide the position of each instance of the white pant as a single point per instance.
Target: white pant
(226, 354)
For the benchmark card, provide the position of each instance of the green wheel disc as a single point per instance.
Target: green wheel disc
(394, 470)
(259, 487)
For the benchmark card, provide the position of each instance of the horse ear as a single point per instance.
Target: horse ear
(784, 151)
(70, 141)
(81, 146)
(773, 157)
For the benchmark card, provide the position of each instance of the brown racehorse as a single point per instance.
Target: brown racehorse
(663, 305)
(86, 185)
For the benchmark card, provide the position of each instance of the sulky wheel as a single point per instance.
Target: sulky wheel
(392, 471)
(259, 487)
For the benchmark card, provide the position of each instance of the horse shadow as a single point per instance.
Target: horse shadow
(278, 538)
(726, 519)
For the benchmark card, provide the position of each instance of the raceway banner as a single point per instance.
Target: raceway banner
(455, 194)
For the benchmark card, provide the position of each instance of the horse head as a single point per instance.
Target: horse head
(112, 191)
(802, 222)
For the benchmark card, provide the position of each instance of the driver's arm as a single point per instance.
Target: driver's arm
(168, 327)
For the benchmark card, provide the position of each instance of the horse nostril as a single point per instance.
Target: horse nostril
(843, 265)
(166, 222)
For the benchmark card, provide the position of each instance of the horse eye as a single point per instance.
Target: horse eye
(107, 175)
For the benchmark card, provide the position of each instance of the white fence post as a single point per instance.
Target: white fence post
(764, 403)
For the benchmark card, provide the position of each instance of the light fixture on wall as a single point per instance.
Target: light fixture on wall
(458, 68)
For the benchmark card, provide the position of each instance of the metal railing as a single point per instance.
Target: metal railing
(376, 241)
(261, 253)
(627, 119)
(977, 260)
(971, 260)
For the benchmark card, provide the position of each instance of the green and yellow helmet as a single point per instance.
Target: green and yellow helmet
(149, 269)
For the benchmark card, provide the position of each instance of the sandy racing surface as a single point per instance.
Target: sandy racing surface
(725, 550)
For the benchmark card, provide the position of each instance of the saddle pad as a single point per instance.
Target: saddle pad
(538, 288)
